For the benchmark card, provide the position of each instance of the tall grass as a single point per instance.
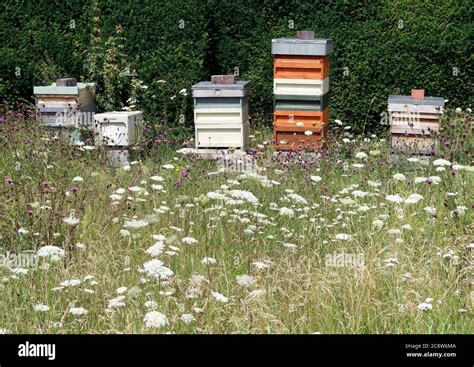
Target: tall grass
(412, 257)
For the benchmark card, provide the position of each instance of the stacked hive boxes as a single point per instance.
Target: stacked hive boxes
(221, 113)
(119, 131)
(66, 104)
(301, 91)
(414, 122)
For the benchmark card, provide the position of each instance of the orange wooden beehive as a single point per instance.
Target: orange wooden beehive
(300, 67)
(301, 91)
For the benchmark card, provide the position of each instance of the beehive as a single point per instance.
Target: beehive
(414, 123)
(221, 113)
(65, 103)
(301, 91)
(119, 129)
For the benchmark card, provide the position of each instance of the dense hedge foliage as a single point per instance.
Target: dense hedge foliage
(130, 48)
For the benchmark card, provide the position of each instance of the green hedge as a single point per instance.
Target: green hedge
(380, 48)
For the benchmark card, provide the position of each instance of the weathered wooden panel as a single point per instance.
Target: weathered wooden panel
(121, 128)
(223, 79)
(414, 108)
(291, 138)
(416, 144)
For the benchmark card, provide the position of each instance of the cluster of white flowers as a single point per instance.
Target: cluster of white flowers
(155, 319)
(53, 253)
(155, 268)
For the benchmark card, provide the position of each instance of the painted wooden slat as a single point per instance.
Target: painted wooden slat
(413, 108)
(241, 88)
(295, 46)
(414, 130)
(301, 103)
(301, 87)
(291, 138)
(301, 67)
(220, 115)
(229, 136)
(220, 102)
(427, 101)
(294, 118)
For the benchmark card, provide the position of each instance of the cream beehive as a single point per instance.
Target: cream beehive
(221, 113)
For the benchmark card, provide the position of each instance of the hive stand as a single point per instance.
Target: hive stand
(301, 91)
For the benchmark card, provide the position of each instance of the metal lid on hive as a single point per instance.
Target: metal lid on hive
(426, 101)
(304, 44)
(65, 86)
(221, 86)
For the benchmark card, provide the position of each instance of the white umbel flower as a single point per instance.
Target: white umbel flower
(71, 220)
(189, 241)
(41, 308)
(441, 163)
(399, 177)
(246, 280)
(413, 199)
(54, 253)
(154, 268)
(78, 311)
(394, 199)
(344, 237)
(155, 319)
(187, 318)
(219, 297)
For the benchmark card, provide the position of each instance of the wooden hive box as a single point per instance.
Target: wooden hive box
(65, 103)
(414, 123)
(300, 67)
(221, 113)
(119, 129)
(301, 91)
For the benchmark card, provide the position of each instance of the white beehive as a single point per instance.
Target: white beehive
(221, 113)
(119, 129)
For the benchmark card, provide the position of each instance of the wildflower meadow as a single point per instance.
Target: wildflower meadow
(351, 240)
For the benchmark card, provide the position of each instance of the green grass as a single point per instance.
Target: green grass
(298, 293)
